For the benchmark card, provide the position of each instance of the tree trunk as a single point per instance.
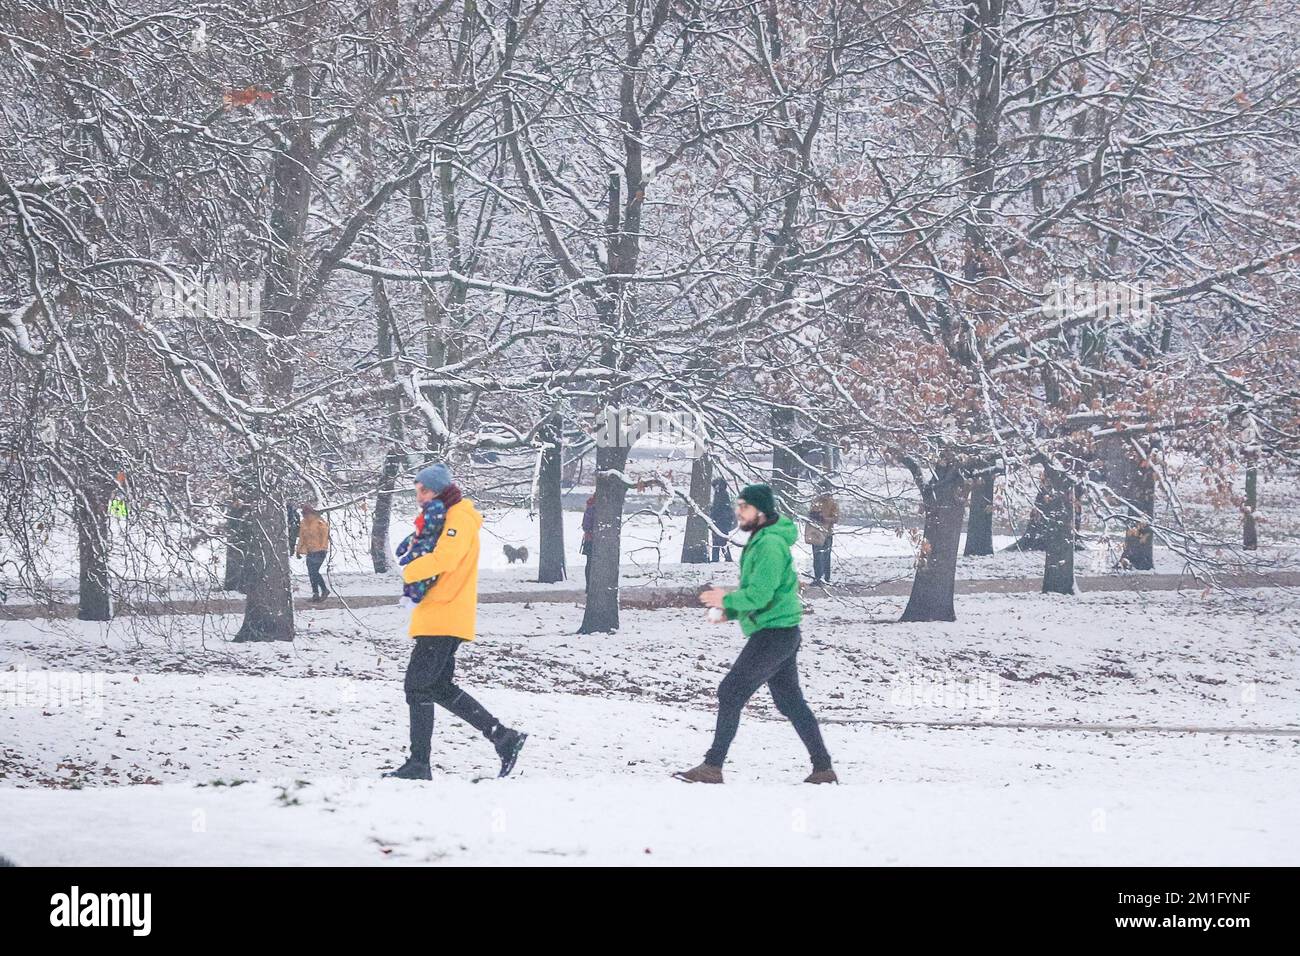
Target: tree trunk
(268, 608)
(383, 516)
(94, 597)
(1131, 476)
(571, 470)
(268, 603)
(1058, 531)
(550, 506)
(944, 499)
(601, 613)
(385, 326)
(236, 546)
(786, 469)
(1034, 538)
(979, 526)
(1139, 540)
(695, 545)
(1249, 532)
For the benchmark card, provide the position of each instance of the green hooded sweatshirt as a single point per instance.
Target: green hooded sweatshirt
(768, 595)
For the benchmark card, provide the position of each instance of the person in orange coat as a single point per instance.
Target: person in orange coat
(440, 623)
(820, 532)
(314, 543)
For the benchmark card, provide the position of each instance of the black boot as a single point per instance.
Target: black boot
(412, 770)
(508, 744)
(417, 765)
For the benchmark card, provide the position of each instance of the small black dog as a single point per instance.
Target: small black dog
(515, 554)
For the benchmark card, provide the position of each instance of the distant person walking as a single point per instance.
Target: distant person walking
(295, 522)
(722, 518)
(819, 532)
(588, 530)
(444, 619)
(768, 608)
(314, 543)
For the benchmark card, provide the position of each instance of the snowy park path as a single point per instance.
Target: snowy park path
(1084, 728)
(651, 598)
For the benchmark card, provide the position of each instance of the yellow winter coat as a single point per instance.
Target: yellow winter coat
(449, 607)
(313, 534)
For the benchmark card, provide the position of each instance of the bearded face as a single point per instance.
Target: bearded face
(748, 518)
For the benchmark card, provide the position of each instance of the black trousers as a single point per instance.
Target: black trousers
(314, 561)
(718, 552)
(770, 657)
(822, 560)
(430, 682)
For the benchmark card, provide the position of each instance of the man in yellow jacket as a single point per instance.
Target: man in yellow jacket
(440, 623)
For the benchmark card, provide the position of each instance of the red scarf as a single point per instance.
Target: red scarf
(450, 496)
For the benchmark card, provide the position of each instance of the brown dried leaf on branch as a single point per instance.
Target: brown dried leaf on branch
(232, 99)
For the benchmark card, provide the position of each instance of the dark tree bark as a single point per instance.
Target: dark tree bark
(943, 497)
(1033, 538)
(979, 526)
(385, 335)
(268, 605)
(236, 546)
(786, 468)
(1130, 475)
(1249, 532)
(381, 520)
(268, 602)
(601, 612)
(94, 596)
(550, 507)
(1058, 531)
(695, 545)
(572, 469)
(1139, 540)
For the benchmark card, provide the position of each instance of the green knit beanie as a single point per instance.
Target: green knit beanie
(761, 497)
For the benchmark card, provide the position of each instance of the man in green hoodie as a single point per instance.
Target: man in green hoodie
(768, 608)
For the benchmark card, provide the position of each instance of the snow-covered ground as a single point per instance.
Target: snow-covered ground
(184, 748)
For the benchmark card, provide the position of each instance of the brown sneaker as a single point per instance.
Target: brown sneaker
(701, 774)
(822, 776)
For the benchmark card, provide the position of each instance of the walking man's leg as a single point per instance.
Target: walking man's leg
(788, 697)
(430, 657)
(314, 561)
(430, 682)
(762, 656)
(447, 694)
